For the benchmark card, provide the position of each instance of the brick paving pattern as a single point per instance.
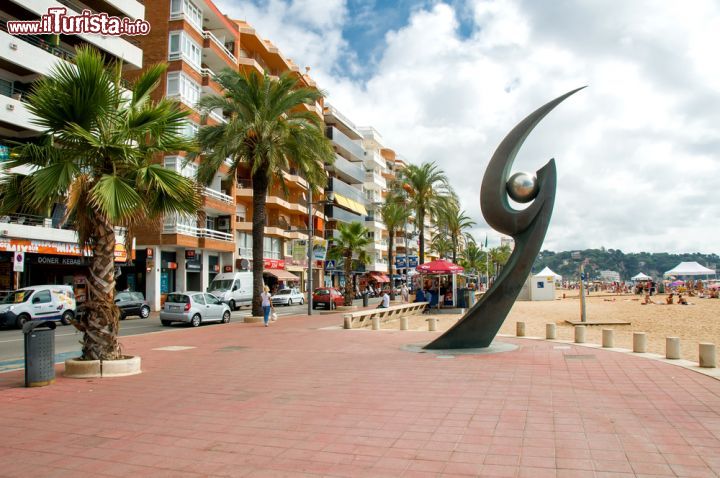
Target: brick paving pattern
(295, 400)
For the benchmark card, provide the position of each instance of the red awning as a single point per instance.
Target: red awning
(379, 277)
(282, 274)
(440, 266)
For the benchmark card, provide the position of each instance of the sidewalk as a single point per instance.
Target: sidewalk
(294, 399)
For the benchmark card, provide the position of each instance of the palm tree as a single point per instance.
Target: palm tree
(455, 222)
(499, 256)
(96, 156)
(353, 239)
(442, 245)
(473, 258)
(428, 191)
(394, 215)
(269, 131)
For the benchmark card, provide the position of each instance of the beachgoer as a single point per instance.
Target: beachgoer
(681, 300)
(266, 304)
(385, 302)
(404, 293)
(669, 300)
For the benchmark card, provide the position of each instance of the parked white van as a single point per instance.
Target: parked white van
(233, 288)
(38, 302)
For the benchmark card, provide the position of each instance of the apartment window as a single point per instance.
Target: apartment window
(244, 243)
(189, 9)
(210, 223)
(272, 247)
(189, 129)
(177, 164)
(182, 46)
(178, 84)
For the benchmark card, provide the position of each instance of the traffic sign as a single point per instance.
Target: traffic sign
(329, 264)
(19, 262)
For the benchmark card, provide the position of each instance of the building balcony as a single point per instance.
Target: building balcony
(119, 47)
(340, 187)
(376, 180)
(352, 149)
(210, 86)
(16, 115)
(218, 202)
(375, 160)
(351, 173)
(191, 236)
(31, 53)
(372, 222)
(377, 266)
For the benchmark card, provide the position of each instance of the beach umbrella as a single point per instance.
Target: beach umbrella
(677, 283)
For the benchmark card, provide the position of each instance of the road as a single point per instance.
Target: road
(67, 338)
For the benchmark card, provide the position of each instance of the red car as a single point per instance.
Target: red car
(328, 297)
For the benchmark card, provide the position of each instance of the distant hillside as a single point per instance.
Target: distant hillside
(652, 264)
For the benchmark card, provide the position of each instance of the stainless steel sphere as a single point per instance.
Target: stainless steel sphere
(522, 187)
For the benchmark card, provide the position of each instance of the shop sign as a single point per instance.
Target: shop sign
(169, 265)
(242, 264)
(413, 261)
(35, 246)
(299, 249)
(193, 266)
(274, 263)
(227, 269)
(319, 249)
(149, 252)
(216, 268)
(190, 254)
(400, 262)
(42, 259)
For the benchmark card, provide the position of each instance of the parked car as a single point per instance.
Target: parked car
(288, 297)
(131, 304)
(233, 288)
(39, 302)
(193, 308)
(327, 297)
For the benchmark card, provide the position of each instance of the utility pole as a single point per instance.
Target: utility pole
(310, 251)
(583, 314)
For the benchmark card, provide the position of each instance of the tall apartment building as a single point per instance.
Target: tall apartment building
(51, 251)
(198, 41)
(347, 176)
(377, 175)
(286, 216)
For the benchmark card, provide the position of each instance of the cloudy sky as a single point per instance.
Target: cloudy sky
(638, 152)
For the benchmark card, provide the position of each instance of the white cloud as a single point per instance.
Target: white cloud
(637, 152)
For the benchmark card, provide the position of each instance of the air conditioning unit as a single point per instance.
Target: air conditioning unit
(224, 223)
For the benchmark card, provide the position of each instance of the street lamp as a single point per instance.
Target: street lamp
(329, 198)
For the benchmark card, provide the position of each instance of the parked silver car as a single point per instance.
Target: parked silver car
(193, 308)
(288, 297)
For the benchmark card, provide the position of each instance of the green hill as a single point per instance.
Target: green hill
(652, 264)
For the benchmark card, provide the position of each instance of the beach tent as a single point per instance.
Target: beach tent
(689, 269)
(640, 277)
(547, 272)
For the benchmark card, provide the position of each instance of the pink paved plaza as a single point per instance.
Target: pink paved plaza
(295, 399)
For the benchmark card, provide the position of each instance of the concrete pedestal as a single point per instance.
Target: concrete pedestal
(639, 342)
(520, 329)
(708, 355)
(579, 334)
(550, 331)
(672, 348)
(608, 338)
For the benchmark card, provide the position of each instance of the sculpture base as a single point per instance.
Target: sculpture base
(598, 322)
(494, 348)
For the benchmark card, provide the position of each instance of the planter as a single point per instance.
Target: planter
(251, 319)
(346, 307)
(75, 368)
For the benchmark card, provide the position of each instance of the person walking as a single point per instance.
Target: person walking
(405, 293)
(266, 304)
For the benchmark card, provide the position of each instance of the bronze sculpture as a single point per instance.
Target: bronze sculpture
(478, 327)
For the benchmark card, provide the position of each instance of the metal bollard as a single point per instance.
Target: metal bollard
(347, 322)
(708, 356)
(403, 323)
(376, 323)
(579, 334)
(432, 324)
(550, 331)
(608, 338)
(520, 329)
(672, 348)
(639, 342)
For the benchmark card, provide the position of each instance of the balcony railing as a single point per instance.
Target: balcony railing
(208, 35)
(342, 141)
(217, 116)
(336, 185)
(349, 169)
(40, 42)
(176, 228)
(210, 192)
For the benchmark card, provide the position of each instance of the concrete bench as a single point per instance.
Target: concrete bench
(355, 320)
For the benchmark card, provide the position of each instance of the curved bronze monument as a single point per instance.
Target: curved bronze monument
(478, 327)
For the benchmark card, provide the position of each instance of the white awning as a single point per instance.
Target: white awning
(689, 269)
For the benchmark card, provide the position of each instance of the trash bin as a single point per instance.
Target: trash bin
(39, 353)
(365, 299)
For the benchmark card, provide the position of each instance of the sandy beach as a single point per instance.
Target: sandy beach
(694, 323)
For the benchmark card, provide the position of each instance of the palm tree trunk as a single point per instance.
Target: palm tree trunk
(391, 241)
(421, 220)
(99, 321)
(348, 281)
(260, 187)
(454, 251)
